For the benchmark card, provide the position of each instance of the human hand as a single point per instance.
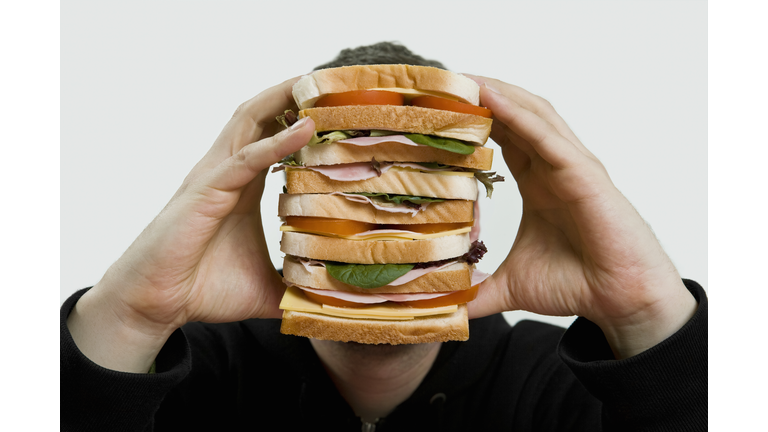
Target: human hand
(581, 248)
(204, 257)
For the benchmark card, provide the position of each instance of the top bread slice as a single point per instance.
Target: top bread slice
(405, 79)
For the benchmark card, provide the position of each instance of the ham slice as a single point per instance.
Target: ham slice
(373, 298)
(369, 141)
(390, 208)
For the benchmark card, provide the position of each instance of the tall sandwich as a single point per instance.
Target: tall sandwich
(378, 208)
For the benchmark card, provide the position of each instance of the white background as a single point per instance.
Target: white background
(520, 41)
(147, 86)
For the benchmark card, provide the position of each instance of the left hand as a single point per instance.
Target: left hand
(581, 248)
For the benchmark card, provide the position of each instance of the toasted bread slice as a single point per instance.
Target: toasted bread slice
(406, 79)
(436, 328)
(411, 119)
(394, 181)
(340, 153)
(339, 207)
(374, 251)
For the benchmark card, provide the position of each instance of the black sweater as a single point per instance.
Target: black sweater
(530, 377)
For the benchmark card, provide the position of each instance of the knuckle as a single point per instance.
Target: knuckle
(239, 110)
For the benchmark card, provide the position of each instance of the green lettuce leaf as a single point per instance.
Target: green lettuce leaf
(400, 199)
(366, 275)
(328, 138)
(447, 144)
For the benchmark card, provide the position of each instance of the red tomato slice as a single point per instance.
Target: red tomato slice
(449, 105)
(349, 227)
(329, 225)
(361, 97)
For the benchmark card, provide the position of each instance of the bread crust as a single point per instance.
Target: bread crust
(338, 207)
(373, 251)
(411, 119)
(339, 153)
(437, 328)
(402, 182)
(428, 80)
(456, 277)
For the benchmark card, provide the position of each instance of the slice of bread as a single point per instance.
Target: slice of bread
(374, 251)
(339, 207)
(339, 153)
(394, 181)
(401, 78)
(456, 277)
(437, 328)
(410, 119)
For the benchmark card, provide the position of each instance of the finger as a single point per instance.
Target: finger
(539, 137)
(241, 168)
(531, 102)
(252, 121)
(517, 160)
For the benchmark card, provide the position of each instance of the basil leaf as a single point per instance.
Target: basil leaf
(366, 275)
(447, 144)
(400, 199)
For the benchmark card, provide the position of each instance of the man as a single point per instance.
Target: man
(635, 361)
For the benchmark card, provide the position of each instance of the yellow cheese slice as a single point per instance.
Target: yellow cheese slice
(295, 300)
(388, 236)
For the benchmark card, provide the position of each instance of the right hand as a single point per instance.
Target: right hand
(204, 257)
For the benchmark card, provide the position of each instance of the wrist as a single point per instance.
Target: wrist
(650, 324)
(112, 338)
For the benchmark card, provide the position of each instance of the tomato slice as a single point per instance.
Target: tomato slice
(350, 227)
(361, 97)
(330, 301)
(458, 297)
(449, 105)
(329, 225)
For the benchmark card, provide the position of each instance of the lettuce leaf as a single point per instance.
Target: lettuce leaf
(400, 199)
(366, 275)
(447, 144)
(488, 179)
(328, 138)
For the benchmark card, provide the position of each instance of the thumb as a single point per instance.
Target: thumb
(242, 167)
(491, 299)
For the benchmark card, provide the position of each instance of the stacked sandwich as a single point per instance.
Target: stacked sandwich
(378, 207)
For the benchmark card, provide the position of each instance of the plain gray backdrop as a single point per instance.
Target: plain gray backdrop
(147, 86)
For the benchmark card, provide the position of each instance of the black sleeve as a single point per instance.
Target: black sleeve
(661, 389)
(94, 398)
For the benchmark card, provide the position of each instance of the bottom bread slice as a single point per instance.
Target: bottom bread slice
(437, 328)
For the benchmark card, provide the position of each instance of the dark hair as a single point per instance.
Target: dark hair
(380, 53)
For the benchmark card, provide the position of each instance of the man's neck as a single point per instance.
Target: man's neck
(374, 379)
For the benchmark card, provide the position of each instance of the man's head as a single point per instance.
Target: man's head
(379, 53)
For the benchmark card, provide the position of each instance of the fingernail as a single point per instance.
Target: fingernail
(491, 88)
(299, 123)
